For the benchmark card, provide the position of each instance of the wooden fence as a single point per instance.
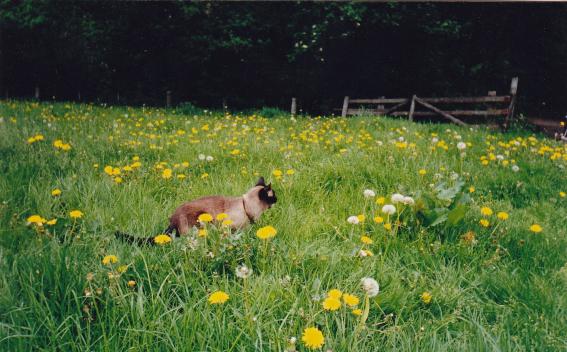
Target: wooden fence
(503, 105)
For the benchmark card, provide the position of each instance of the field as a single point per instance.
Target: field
(472, 258)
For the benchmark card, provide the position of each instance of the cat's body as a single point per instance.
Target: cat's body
(240, 210)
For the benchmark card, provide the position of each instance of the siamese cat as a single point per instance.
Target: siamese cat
(241, 210)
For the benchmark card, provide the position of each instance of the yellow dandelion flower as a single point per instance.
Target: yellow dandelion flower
(162, 239)
(472, 189)
(122, 268)
(562, 194)
(422, 172)
(486, 211)
(484, 222)
(118, 179)
(131, 283)
(366, 240)
(388, 226)
(350, 300)
(36, 219)
(335, 293)
(361, 217)
(56, 192)
(109, 259)
(205, 217)
(75, 214)
(535, 228)
(221, 216)
(426, 297)
(378, 219)
(502, 215)
(218, 297)
(52, 222)
(290, 172)
(357, 312)
(266, 232)
(166, 174)
(380, 200)
(202, 233)
(227, 222)
(331, 303)
(108, 170)
(366, 253)
(313, 338)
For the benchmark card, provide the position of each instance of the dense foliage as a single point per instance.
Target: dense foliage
(463, 230)
(261, 54)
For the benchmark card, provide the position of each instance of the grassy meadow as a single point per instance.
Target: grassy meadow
(472, 257)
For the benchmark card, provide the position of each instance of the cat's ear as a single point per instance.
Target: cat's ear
(269, 186)
(261, 182)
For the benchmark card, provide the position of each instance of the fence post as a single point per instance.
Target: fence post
(36, 93)
(511, 108)
(293, 107)
(168, 99)
(224, 105)
(345, 107)
(411, 108)
(380, 107)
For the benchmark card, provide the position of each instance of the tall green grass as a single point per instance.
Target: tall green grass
(503, 292)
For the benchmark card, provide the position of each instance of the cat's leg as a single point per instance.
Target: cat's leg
(183, 226)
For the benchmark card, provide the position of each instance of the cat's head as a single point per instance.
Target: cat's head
(265, 192)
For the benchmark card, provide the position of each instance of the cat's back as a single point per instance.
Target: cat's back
(210, 204)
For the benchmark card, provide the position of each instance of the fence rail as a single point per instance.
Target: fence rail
(352, 106)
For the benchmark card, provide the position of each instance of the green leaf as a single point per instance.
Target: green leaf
(440, 216)
(456, 214)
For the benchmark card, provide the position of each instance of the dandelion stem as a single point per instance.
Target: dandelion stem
(363, 317)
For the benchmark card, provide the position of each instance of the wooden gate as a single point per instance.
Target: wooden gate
(503, 105)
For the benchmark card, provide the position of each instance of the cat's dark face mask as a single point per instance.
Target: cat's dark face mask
(266, 194)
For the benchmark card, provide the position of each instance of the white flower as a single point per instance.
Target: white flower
(362, 253)
(202, 157)
(401, 138)
(370, 286)
(515, 168)
(500, 157)
(434, 140)
(388, 209)
(209, 158)
(408, 201)
(243, 272)
(368, 193)
(353, 220)
(397, 198)
(461, 145)
(292, 340)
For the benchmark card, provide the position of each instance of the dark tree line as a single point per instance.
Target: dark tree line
(256, 54)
